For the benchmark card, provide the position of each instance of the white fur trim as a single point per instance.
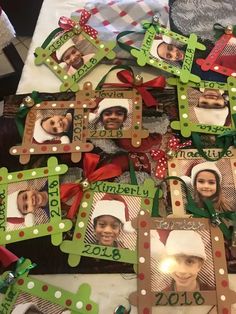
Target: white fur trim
(87, 57)
(113, 102)
(208, 165)
(29, 220)
(186, 242)
(211, 116)
(186, 179)
(7, 32)
(157, 247)
(40, 135)
(22, 308)
(65, 139)
(12, 209)
(63, 48)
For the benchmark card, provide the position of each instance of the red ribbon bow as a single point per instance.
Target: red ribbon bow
(127, 77)
(161, 157)
(91, 174)
(6, 257)
(67, 24)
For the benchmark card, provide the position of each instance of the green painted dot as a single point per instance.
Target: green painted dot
(137, 107)
(136, 127)
(181, 88)
(233, 98)
(185, 124)
(87, 94)
(231, 84)
(182, 107)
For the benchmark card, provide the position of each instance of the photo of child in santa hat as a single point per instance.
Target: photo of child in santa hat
(111, 114)
(54, 128)
(109, 217)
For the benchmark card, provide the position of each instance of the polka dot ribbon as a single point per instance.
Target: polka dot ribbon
(161, 157)
(67, 24)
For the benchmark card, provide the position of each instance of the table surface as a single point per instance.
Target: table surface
(115, 288)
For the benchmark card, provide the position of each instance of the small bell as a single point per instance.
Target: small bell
(85, 184)
(155, 19)
(171, 154)
(229, 29)
(138, 80)
(10, 278)
(28, 101)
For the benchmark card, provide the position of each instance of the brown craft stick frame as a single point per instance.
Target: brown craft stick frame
(145, 298)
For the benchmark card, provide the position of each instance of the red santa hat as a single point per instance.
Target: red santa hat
(113, 205)
(14, 216)
(23, 308)
(185, 242)
(211, 116)
(63, 48)
(107, 103)
(156, 43)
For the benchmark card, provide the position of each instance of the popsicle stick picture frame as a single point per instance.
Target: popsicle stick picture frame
(30, 295)
(205, 107)
(30, 204)
(167, 248)
(75, 52)
(168, 51)
(57, 127)
(221, 59)
(103, 228)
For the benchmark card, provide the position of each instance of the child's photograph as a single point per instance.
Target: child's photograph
(29, 304)
(74, 53)
(110, 221)
(53, 126)
(168, 50)
(208, 106)
(111, 114)
(181, 260)
(27, 204)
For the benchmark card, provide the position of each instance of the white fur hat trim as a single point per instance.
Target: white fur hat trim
(12, 208)
(112, 102)
(157, 247)
(204, 166)
(211, 116)
(22, 308)
(40, 135)
(156, 43)
(113, 208)
(63, 48)
(7, 32)
(185, 242)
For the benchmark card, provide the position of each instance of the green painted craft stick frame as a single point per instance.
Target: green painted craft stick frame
(70, 82)
(56, 225)
(143, 54)
(78, 302)
(185, 125)
(77, 247)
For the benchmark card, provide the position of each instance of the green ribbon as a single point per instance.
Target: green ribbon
(123, 45)
(155, 205)
(147, 25)
(51, 36)
(13, 275)
(133, 177)
(208, 211)
(23, 111)
(220, 30)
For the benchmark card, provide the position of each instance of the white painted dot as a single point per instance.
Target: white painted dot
(176, 192)
(65, 77)
(31, 150)
(216, 238)
(55, 67)
(38, 105)
(151, 61)
(234, 108)
(183, 97)
(185, 115)
(221, 271)
(142, 260)
(8, 237)
(79, 305)
(77, 147)
(177, 72)
(84, 106)
(143, 292)
(14, 151)
(9, 177)
(35, 231)
(30, 285)
(57, 294)
(85, 117)
(233, 89)
(174, 173)
(233, 74)
(138, 143)
(33, 173)
(61, 225)
(47, 60)
(216, 67)
(80, 224)
(222, 297)
(58, 168)
(102, 46)
(142, 212)
(84, 204)
(72, 105)
(135, 102)
(88, 84)
(54, 148)
(146, 234)
(54, 105)
(138, 122)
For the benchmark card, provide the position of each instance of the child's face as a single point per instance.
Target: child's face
(211, 99)
(185, 270)
(107, 230)
(206, 184)
(170, 52)
(57, 124)
(30, 200)
(73, 57)
(113, 118)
